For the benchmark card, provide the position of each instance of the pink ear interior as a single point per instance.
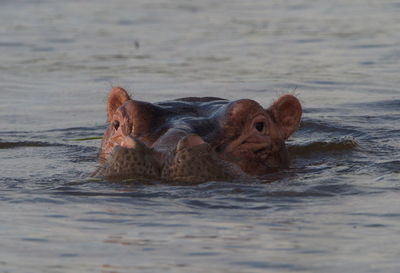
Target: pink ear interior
(287, 111)
(116, 98)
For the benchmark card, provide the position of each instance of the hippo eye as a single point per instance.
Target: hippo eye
(115, 124)
(259, 126)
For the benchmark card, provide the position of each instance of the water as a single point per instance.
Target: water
(336, 210)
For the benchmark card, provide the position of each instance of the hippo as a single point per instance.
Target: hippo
(195, 139)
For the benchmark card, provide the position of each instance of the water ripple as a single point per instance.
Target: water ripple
(334, 145)
(10, 145)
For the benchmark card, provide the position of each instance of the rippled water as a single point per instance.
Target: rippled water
(336, 210)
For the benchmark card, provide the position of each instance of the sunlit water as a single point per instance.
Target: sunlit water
(336, 210)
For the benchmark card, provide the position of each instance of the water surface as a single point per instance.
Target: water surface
(336, 210)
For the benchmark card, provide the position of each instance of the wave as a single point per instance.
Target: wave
(11, 144)
(334, 145)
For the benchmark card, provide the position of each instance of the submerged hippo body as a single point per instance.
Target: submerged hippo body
(195, 139)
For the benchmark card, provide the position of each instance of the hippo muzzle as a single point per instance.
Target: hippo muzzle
(195, 139)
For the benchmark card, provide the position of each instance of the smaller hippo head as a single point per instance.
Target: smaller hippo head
(254, 137)
(196, 138)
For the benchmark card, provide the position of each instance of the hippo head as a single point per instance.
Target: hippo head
(196, 138)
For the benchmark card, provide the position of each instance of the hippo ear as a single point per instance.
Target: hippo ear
(287, 113)
(117, 97)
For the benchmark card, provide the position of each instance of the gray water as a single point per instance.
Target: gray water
(336, 210)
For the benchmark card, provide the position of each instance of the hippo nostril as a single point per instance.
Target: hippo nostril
(115, 124)
(259, 126)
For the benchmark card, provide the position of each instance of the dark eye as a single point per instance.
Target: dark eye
(115, 124)
(259, 126)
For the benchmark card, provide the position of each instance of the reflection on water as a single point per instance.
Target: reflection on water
(336, 208)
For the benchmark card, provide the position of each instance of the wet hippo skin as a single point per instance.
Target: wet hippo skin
(195, 139)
